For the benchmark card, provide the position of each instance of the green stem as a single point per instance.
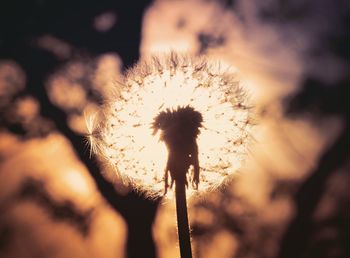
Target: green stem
(182, 220)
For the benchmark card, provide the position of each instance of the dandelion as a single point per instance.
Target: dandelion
(123, 132)
(174, 116)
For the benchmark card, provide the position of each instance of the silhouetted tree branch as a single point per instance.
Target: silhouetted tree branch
(321, 100)
(307, 199)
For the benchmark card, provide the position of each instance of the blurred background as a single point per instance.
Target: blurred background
(59, 60)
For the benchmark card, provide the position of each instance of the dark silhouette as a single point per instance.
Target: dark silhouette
(180, 128)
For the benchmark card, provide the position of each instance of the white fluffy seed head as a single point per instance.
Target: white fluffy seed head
(122, 135)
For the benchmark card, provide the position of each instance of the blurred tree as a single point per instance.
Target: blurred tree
(77, 29)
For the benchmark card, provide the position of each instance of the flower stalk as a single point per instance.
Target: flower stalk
(182, 220)
(179, 130)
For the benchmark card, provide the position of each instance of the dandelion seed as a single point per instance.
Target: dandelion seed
(129, 131)
(92, 129)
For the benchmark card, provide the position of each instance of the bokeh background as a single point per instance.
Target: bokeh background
(59, 60)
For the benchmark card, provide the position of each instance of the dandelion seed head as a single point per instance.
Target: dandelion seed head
(123, 134)
(92, 127)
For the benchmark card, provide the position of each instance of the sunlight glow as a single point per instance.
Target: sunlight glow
(121, 132)
(77, 182)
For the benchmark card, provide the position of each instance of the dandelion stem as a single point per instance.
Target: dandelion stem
(182, 220)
